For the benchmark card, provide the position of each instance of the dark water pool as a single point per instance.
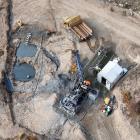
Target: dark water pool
(24, 72)
(26, 50)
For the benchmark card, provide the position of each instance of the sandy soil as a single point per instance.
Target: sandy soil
(3, 35)
(129, 4)
(33, 101)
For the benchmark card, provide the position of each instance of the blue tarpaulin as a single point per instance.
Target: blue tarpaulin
(8, 84)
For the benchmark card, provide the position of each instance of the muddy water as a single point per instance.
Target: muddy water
(26, 50)
(24, 72)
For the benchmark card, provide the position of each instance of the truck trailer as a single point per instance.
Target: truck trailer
(78, 27)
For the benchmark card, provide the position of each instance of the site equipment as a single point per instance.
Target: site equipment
(73, 69)
(108, 106)
(78, 27)
(19, 23)
(72, 103)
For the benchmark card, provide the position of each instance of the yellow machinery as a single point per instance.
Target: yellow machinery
(19, 23)
(78, 27)
(24, 136)
(72, 21)
(73, 68)
(107, 100)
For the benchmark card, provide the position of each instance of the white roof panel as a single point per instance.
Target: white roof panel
(111, 71)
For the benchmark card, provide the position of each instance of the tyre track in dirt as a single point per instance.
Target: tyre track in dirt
(52, 14)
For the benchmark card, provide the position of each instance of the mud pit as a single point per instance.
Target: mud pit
(33, 101)
(25, 50)
(24, 72)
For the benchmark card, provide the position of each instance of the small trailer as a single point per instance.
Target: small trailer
(78, 27)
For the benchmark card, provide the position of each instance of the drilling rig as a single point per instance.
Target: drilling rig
(71, 104)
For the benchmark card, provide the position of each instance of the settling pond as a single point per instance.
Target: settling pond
(26, 50)
(24, 72)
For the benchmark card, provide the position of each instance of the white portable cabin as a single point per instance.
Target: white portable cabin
(110, 74)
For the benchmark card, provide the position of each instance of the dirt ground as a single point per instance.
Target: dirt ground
(129, 4)
(34, 101)
(3, 35)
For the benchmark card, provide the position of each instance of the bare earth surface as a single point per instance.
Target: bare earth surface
(34, 102)
(3, 35)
